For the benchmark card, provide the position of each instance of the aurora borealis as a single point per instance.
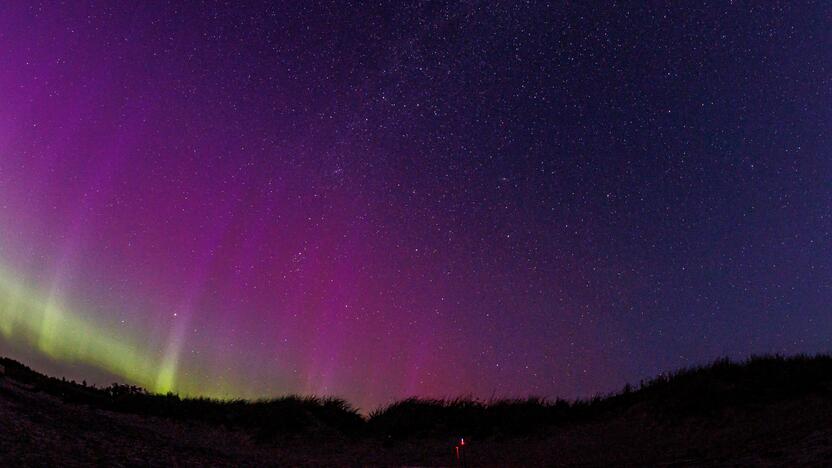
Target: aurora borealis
(376, 201)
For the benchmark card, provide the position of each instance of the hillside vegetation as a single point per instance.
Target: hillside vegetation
(732, 405)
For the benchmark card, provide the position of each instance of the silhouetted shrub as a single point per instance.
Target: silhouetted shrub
(687, 392)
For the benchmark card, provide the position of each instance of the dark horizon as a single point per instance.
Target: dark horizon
(433, 199)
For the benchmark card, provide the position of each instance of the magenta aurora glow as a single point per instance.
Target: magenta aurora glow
(374, 202)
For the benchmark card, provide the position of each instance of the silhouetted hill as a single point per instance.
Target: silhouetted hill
(768, 410)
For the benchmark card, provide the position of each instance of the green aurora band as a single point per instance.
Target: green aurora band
(54, 330)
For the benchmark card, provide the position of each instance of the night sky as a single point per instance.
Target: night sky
(378, 201)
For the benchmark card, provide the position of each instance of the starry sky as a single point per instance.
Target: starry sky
(375, 201)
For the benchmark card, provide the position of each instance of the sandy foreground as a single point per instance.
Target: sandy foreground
(37, 429)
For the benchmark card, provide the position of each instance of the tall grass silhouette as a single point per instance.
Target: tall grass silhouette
(687, 392)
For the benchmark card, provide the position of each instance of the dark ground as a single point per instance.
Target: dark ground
(723, 424)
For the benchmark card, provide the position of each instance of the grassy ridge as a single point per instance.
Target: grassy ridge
(687, 392)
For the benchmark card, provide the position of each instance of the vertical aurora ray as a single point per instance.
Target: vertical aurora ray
(290, 197)
(57, 332)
